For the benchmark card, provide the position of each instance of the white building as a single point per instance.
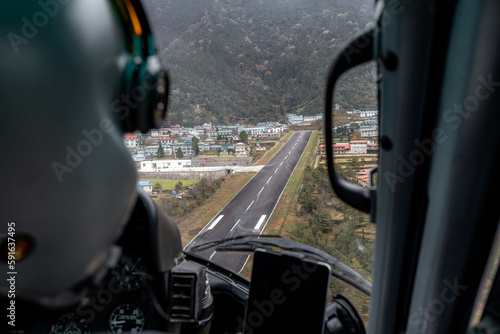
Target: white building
(369, 132)
(163, 165)
(240, 149)
(150, 151)
(131, 140)
(358, 146)
(147, 186)
(369, 113)
(257, 131)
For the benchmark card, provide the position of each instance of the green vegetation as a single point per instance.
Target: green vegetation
(161, 152)
(193, 221)
(336, 228)
(194, 145)
(178, 186)
(263, 157)
(309, 212)
(170, 184)
(250, 61)
(196, 197)
(179, 154)
(243, 136)
(157, 187)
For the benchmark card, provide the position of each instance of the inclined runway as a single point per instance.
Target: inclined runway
(249, 211)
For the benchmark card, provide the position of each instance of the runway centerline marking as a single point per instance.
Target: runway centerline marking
(235, 225)
(269, 179)
(276, 170)
(260, 222)
(261, 190)
(281, 163)
(211, 256)
(215, 222)
(249, 206)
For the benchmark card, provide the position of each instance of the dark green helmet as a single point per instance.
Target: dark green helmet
(73, 75)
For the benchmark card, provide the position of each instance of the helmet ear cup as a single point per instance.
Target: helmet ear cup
(125, 105)
(153, 81)
(142, 103)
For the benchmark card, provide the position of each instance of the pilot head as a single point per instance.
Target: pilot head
(74, 75)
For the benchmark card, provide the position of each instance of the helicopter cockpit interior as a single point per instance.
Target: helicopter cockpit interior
(84, 251)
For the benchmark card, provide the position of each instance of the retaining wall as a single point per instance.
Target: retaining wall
(210, 175)
(215, 162)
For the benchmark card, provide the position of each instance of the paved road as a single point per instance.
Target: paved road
(250, 209)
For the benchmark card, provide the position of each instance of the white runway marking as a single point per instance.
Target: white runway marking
(276, 169)
(215, 222)
(211, 256)
(235, 224)
(260, 222)
(260, 191)
(249, 206)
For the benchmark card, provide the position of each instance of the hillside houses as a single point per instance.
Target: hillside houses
(297, 119)
(352, 147)
(221, 138)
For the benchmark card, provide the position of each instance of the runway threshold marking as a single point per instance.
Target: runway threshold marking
(215, 222)
(260, 222)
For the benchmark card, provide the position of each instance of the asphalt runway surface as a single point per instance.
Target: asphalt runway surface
(249, 211)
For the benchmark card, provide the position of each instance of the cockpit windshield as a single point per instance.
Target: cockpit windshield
(242, 151)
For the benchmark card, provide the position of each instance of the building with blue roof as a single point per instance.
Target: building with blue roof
(147, 186)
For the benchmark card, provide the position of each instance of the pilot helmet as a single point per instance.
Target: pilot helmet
(74, 76)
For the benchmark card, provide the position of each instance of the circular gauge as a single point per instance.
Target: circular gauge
(130, 273)
(126, 318)
(70, 323)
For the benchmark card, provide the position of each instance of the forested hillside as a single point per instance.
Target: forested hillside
(251, 61)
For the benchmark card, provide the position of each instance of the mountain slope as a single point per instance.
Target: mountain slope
(251, 61)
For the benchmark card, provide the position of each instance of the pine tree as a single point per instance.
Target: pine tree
(157, 186)
(194, 145)
(179, 154)
(243, 136)
(161, 152)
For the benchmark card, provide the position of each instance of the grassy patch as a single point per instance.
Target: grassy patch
(193, 222)
(271, 152)
(170, 184)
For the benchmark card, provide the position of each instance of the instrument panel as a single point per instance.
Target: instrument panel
(130, 298)
(123, 305)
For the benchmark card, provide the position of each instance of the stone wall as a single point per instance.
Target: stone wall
(210, 175)
(214, 162)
